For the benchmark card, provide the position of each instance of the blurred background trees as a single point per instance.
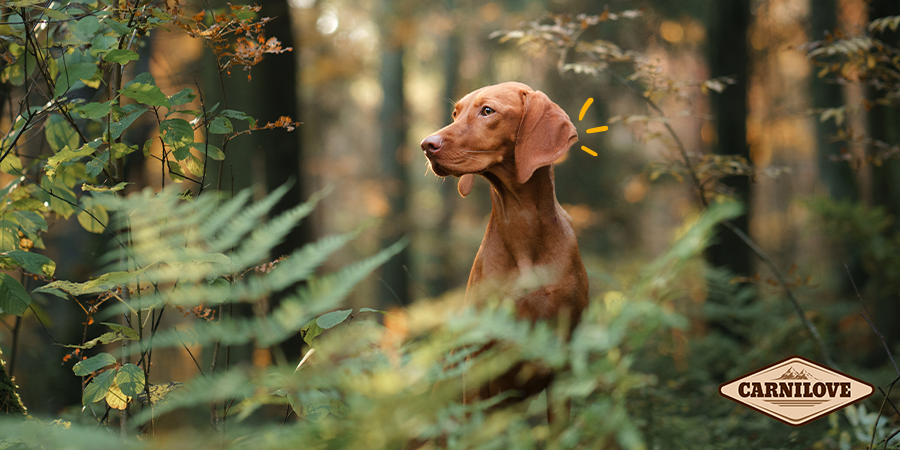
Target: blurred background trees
(811, 133)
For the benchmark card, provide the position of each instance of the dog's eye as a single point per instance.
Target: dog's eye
(487, 111)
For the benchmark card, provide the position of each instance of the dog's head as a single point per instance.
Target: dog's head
(506, 124)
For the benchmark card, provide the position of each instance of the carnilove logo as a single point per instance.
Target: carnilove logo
(796, 390)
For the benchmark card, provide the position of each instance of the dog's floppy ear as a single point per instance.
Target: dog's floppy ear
(466, 181)
(546, 133)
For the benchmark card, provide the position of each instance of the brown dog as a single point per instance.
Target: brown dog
(511, 134)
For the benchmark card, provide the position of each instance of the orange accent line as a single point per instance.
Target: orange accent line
(585, 108)
(598, 129)
(591, 152)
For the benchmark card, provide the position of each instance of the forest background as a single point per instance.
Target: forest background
(739, 210)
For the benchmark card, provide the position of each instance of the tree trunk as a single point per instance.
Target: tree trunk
(730, 57)
(275, 83)
(275, 155)
(836, 175)
(393, 122)
(882, 124)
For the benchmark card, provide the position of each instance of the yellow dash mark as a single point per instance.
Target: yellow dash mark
(598, 129)
(584, 108)
(591, 152)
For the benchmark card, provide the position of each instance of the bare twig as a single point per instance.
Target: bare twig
(206, 139)
(887, 397)
(189, 353)
(881, 411)
(759, 252)
(36, 316)
(213, 407)
(396, 297)
(767, 260)
(678, 143)
(123, 422)
(867, 316)
(414, 281)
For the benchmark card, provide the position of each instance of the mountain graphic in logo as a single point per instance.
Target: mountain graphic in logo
(792, 374)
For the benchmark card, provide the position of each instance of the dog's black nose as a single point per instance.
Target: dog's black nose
(432, 144)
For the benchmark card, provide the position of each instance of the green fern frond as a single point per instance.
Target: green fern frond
(299, 266)
(322, 294)
(302, 263)
(229, 235)
(224, 214)
(267, 236)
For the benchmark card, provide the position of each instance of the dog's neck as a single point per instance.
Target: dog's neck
(536, 195)
(525, 215)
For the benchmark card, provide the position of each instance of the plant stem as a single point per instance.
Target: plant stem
(767, 260)
(867, 316)
(18, 325)
(126, 296)
(213, 409)
(12, 352)
(756, 249)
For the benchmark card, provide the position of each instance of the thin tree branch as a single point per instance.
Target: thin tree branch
(759, 252)
(867, 316)
(189, 353)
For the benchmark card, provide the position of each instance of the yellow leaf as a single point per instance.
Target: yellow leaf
(96, 223)
(116, 399)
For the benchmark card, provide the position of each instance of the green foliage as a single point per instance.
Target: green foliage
(84, 46)
(368, 385)
(316, 326)
(97, 389)
(867, 232)
(94, 363)
(119, 332)
(632, 379)
(66, 56)
(730, 335)
(30, 262)
(130, 379)
(174, 243)
(867, 58)
(573, 39)
(13, 297)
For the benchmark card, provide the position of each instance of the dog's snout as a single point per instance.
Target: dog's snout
(432, 144)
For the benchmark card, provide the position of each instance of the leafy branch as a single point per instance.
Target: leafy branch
(561, 34)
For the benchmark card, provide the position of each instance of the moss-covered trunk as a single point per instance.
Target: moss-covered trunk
(10, 403)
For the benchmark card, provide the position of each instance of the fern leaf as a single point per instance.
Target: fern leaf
(224, 214)
(238, 226)
(321, 295)
(266, 237)
(301, 264)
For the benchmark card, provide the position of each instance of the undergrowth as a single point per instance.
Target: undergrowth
(641, 370)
